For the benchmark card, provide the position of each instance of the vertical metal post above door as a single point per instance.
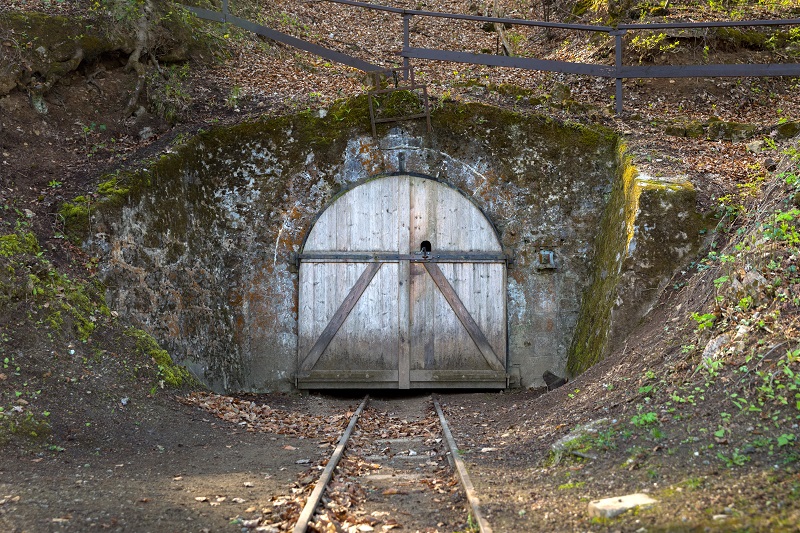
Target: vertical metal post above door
(406, 43)
(618, 67)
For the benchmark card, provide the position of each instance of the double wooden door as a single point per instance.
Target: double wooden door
(402, 285)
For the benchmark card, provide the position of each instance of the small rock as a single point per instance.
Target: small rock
(713, 347)
(563, 444)
(553, 381)
(250, 524)
(720, 517)
(741, 332)
(611, 507)
(755, 146)
(146, 133)
(770, 164)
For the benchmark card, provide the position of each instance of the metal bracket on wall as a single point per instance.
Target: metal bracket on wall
(405, 82)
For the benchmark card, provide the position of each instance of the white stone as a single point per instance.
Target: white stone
(611, 507)
(713, 347)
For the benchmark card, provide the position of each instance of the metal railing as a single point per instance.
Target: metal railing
(618, 71)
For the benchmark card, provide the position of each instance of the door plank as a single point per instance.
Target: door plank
(463, 315)
(340, 316)
(402, 202)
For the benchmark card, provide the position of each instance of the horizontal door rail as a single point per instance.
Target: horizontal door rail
(391, 257)
(618, 71)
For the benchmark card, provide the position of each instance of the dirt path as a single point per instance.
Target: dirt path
(194, 473)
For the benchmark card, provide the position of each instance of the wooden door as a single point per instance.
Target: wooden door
(402, 285)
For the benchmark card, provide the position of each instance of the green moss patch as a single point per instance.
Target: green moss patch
(18, 243)
(171, 374)
(26, 278)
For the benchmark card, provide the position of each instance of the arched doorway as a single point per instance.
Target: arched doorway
(402, 285)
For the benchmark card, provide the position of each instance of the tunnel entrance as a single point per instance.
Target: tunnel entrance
(402, 285)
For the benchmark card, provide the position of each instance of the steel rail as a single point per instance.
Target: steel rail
(325, 478)
(475, 18)
(461, 470)
(564, 25)
(723, 24)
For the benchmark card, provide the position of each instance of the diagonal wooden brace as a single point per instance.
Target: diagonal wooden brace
(340, 316)
(463, 315)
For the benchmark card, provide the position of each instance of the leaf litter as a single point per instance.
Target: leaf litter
(342, 505)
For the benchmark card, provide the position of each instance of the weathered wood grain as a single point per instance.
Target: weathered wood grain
(464, 316)
(340, 316)
(410, 316)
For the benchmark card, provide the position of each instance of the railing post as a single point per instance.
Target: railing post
(406, 42)
(225, 10)
(618, 67)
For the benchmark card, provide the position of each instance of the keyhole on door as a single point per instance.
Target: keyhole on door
(425, 248)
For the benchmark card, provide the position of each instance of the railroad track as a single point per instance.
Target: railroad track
(401, 470)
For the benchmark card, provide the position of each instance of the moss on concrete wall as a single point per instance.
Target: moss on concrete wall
(198, 247)
(650, 228)
(610, 249)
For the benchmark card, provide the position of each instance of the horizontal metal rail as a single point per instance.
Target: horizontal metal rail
(725, 24)
(476, 18)
(617, 71)
(258, 29)
(713, 71)
(510, 61)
